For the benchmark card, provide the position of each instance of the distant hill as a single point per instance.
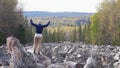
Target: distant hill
(55, 14)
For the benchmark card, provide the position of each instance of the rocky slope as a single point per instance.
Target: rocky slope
(63, 55)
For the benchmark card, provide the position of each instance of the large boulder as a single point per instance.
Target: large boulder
(93, 62)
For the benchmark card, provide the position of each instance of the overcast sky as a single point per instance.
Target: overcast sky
(60, 5)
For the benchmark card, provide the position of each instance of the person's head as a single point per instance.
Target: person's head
(39, 22)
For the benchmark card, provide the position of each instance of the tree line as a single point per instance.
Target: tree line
(103, 27)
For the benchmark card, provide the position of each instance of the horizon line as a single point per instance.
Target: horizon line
(56, 11)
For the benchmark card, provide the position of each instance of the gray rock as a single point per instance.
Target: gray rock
(117, 64)
(117, 56)
(57, 65)
(93, 62)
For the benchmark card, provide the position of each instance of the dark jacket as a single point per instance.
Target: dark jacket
(39, 27)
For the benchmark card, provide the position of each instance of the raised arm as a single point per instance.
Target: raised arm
(32, 22)
(46, 24)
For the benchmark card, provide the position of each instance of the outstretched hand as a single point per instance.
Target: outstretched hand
(49, 21)
(30, 20)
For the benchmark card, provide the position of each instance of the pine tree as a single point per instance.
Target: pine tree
(80, 33)
(54, 36)
(21, 34)
(73, 35)
(95, 30)
(49, 36)
(45, 36)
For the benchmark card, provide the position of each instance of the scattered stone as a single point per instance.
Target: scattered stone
(58, 55)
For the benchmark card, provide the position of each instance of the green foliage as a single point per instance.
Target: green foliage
(54, 36)
(104, 28)
(80, 33)
(29, 32)
(45, 36)
(10, 17)
(62, 36)
(87, 34)
(1, 38)
(74, 35)
(116, 42)
(49, 36)
(21, 33)
(94, 29)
